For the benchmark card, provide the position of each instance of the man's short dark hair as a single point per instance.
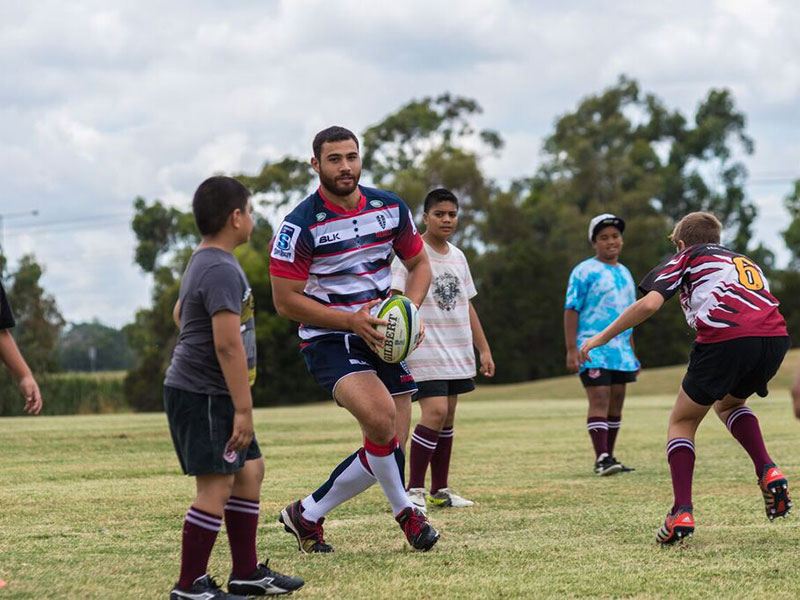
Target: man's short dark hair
(439, 195)
(332, 134)
(215, 200)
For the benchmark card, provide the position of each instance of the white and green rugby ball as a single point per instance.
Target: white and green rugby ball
(402, 330)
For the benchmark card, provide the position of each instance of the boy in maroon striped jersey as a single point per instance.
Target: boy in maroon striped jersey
(741, 342)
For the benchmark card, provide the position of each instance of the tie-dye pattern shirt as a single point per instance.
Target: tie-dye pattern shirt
(599, 293)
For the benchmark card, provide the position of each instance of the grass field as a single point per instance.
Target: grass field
(91, 506)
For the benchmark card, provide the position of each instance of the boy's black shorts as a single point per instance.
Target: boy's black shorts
(595, 377)
(201, 426)
(740, 367)
(443, 387)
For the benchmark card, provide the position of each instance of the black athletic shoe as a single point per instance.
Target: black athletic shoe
(775, 490)
(606, 465)
(203, 588)
(264, 582)
(624, 469)
(419, 533)
(308, 533)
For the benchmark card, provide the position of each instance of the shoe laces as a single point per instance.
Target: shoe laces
(414, 523)
(263, 568)
(313, 530)
(209, 582)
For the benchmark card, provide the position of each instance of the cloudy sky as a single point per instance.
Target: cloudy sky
(105, 101)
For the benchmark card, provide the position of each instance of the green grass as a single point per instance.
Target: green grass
(91, 506)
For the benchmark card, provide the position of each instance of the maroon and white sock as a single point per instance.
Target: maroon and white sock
(743, 425)
(440, 460)
(680, 455)
(598, 431)
(241, 522)
(423, 445)
(199, 534)
(614, 423)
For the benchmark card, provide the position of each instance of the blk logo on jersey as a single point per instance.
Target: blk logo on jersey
(329, 238)
(285, 242)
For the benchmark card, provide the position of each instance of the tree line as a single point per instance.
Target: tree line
(620, 150)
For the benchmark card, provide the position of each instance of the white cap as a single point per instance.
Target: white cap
(604, 220)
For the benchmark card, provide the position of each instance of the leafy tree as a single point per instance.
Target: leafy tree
(109, 345)
(430, 143)
(623, 152)
(166, 237)
(280, 183)
(38, 319)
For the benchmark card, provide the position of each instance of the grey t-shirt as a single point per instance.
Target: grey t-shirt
(213, 281)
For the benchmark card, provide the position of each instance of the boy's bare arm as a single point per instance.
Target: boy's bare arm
(481, 343)
(571, 340)
(419, 277)
(176, 313)
(636, 313)
(233, 361)
(10, 355)
(796, 393)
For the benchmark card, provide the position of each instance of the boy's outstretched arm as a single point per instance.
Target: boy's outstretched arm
(636, 313)
(10, 355)
(481, 343)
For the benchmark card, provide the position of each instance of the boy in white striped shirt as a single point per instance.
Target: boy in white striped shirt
(444, 364)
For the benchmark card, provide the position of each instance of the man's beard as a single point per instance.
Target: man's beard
(337, 187)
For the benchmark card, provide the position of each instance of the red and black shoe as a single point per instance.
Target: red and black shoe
(419, 533)
(775, 490)
(678, 525)
(308, 533)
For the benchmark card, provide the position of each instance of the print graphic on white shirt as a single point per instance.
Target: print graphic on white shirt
(446, 290)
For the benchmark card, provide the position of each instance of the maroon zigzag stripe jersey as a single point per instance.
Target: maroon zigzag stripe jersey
(723, 294)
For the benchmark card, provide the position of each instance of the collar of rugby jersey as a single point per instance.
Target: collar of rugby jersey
(340, 210)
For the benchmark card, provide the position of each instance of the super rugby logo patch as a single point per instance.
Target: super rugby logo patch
(285, 242)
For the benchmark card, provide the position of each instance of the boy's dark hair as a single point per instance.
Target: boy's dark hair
(215, 200)
(439, 195)
(331, 134)
(697, 228)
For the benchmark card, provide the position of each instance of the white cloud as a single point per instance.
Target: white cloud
(103, 102)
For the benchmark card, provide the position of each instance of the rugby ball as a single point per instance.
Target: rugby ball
(402, 330)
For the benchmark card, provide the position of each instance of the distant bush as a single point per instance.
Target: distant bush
(69, 394)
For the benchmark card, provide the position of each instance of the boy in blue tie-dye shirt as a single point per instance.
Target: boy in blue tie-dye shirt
(599, 289)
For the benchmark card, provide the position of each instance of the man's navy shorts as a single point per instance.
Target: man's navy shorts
(331, 358)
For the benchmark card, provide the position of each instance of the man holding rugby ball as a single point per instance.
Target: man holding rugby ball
(330, 265)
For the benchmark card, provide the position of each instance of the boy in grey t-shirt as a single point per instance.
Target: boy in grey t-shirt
(209, 405)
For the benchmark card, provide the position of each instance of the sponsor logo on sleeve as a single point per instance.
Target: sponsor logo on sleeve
(375, 203)
(285, 242)
(321, 217)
